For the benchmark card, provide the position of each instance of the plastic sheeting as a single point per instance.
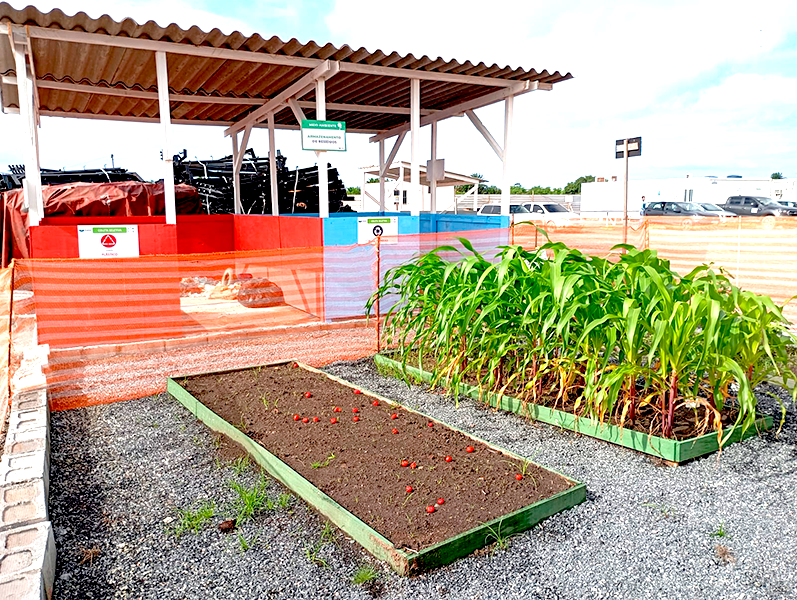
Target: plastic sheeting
(124, 199)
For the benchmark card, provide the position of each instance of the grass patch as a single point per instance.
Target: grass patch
(364, 574)
(250, 500)
(193, 519)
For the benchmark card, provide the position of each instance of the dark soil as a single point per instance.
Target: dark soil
(358, 464)
(687, 422)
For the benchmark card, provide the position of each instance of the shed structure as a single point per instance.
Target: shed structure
(53, 64)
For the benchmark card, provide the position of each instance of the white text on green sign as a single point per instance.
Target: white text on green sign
(323, 135)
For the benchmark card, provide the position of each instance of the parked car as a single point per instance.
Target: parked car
(716, 210)
(690, 213)
(518, 212)
(551, 214)
(759, 206)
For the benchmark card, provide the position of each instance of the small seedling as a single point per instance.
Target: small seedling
(250, 501)
(264, 400)
(311, 552)
(245, 544)
(721, 532)
(321, 465)
(501, 541)
(284, 500)
(194, 520)
(364, 574)
(327, 534)
(240, 464)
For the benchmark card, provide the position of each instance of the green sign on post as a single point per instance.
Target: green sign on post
(329, 136)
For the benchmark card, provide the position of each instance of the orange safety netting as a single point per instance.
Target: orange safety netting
(116, 327)
(5, 343)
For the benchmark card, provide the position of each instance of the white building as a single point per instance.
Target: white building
(605, 198)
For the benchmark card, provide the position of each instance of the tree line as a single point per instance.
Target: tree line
(574, 187)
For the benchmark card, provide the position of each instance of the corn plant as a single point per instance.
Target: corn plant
(603, 338)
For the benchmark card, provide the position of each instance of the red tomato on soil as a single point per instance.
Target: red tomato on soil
(449, 459)
(440, 501)
(308, 395)
(413, 465)
(409, 489)
(395, 430)
(469, 449)
(394, 416)
(305, 420)
(316, 419)
(430, 509)
(355, 410)
(430, 424)
(333, 420)
(355, 419)
(405, 463)
(375, 402)
(296, 417)
(518, 476)
(357, 392)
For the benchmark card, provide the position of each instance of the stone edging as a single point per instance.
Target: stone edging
(27, 544)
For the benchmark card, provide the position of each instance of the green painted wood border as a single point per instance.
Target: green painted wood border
(403, 562)
(672, 450)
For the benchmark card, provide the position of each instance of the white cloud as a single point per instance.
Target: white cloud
(710, 87)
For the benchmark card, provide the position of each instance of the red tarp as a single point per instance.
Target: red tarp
(123, 199)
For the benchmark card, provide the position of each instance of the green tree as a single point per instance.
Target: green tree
(353, 191)
(373, 180)
(574, 187)
(483, 187)
(777, 175)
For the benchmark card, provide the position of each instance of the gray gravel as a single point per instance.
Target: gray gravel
(719, 527)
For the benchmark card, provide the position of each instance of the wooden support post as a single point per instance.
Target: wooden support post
(381, 176)
(272, 166)
(236, 179)
(164, 111)
(415, 135)
(323, 174)
(32, 185)
(432, 177)
(506, 183)
(378, 283)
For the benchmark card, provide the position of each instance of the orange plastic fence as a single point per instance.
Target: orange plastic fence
(6, 279)
(116, 327)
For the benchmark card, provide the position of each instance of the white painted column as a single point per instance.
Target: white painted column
(323, 174)
(166, 124)
(476, 198)
(272, 166)
(31, 185)
(402, 186)
(236, 176)
(433, 175)
(415, 198)
(506, 183)
(381, 176)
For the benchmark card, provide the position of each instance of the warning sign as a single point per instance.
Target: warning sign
(370, 227)
(96, 241)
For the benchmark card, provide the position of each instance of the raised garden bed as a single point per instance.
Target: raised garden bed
(675, 451)
(350, 470)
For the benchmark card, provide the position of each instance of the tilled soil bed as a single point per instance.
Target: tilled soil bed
(354, 454)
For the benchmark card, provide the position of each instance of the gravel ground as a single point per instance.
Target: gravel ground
(719, 527)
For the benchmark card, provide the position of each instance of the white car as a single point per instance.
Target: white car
(518, 212)
(551, 214)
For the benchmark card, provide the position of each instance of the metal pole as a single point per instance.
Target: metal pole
(236, 176)
(625, 193)
(378, 280)
(32, 196)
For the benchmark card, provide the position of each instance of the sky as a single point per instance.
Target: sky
(711, 87)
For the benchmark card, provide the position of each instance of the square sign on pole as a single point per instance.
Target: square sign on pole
(329, 136)
(634, 147)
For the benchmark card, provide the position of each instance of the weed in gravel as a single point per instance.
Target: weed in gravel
(500, 540)
(327, 534)
(194, 520)
(284, 500)
(88, 555)
(364, 574)
(665, 511)
(311, 552)
(321, 465)
(721, 532)
(240, 464)
(250, 501)
(724, 555)
(245, 544)
(217, 441)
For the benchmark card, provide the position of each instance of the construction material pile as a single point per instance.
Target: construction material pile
(13, 180)
(297, 190)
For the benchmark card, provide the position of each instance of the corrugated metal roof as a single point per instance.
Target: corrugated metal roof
(236, 76)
